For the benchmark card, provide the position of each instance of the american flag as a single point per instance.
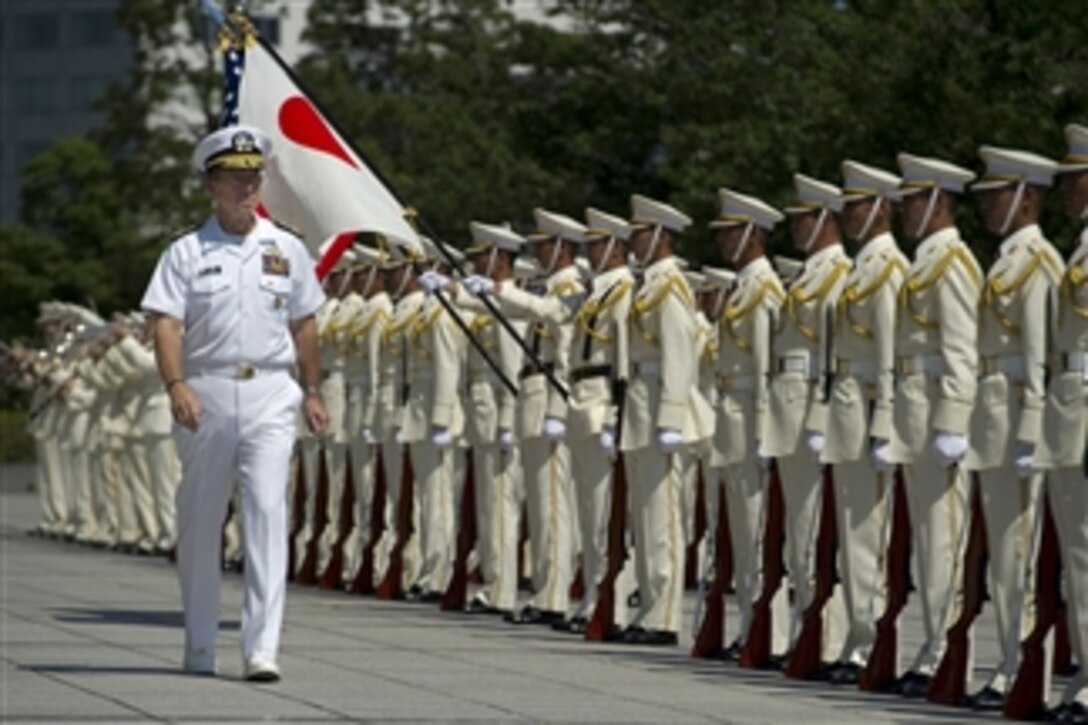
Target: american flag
(234, 63)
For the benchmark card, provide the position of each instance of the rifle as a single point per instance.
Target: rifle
(1027, 697)
(364, 578)
(456, 594)
(757, 647)
(710, 639)
(333, 576)
(391, 587)
(806, 659)
(307, 572)
(883, 665)
(603, 621)
(691, 556)
(949, 684)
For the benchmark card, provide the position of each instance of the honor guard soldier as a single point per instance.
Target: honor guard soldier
(794, 425)
(936, 367)
(489, 425)
(233, 306)
(542, 420)
(859, 408)
(1006, 427)
(366, 397)
(745, 328)
(1063, 449)
(663, 412)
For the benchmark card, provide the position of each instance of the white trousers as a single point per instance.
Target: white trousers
(82, 506)
(247, 430)
(435, 471)
(51, 492)
(940, 517)
(362, 458)
(546, 466)
(336, 464)
(498, 512)
(139, 526)
(1069, 503)
(656, 484)
(309, 451)
(593, 469)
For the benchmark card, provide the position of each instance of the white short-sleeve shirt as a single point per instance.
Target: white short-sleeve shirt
(235, 294)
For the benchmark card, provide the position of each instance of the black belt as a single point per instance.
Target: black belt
(530, 370)
(591, 371)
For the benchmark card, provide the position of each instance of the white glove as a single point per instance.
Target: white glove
(506, 439)
(949, 447)
(367, 434)
(398, 437)
(880, 452)
(669, 439)
(431, 280)
(554, 428)
(608, 439)
(441, 436)
(1023, 455)
(815, 443)
(478, 285)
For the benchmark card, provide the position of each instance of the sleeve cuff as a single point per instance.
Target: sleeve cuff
(880, 425)
(953, 416)
(817, 418)
(1031, 425)
(672, 415)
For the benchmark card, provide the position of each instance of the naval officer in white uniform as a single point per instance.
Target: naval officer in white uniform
(233, 305)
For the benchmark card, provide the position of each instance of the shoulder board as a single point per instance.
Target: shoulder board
(286, 227)
(186, 231)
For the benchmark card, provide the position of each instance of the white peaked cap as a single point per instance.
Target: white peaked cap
(369, 255)
(921, 173)
(602, 224)
(232, 147)
(737, 208)
(787, 267)
(526, 268)
(1076, 154)
(695, 279)
(814, 195)
(861, 181)
(486, 236)
(550, 224)
(646, 212)
(716, 277)
(1010, 166)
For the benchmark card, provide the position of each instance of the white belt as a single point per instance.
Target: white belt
(932, 365)
(1011, 366)
(864, 370)
(650, 367)
(1075, 361)
(241, 371)
(796, 363)
(738, 383)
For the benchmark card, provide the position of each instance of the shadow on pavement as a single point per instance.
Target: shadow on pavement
(142, 617)
(102, 670)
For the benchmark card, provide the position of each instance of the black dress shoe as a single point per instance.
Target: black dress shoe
(430, 597)
(615, 633)
(577, 625)
(414, 593)
(731, 653)
(477, 606)
(1068, 712)
(656, 638)
(985, 700)
(845, 673)
(1057, 714)
(912, 684)
(532, 615)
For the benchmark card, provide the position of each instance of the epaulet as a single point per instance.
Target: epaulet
(287, 228)
(185, 231)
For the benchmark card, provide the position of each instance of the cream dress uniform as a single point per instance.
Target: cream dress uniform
(796, 414)
(431, 422)
(1064, 445)
(78, 399)
(859, 415)
(103, 486)
(156, 456)
(309, 445)
(490, 417)
(365, 399)
(936, 369)
(1006, 426)
(545, 458)
(236, 296)
(111, 428)
(134, 497)
(663, 412)
(49, 476)
(743, 371)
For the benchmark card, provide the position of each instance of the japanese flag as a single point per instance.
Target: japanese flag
(314, 182)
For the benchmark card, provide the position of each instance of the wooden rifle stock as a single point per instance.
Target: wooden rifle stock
(691, 560)
(949, 684)
(1027, 698)
(710, 639)
(298, 512)
(333, 576)
(307, 572)
(602, 622)
(391, 587)
(456, 594)
(757, 647)
(882, 668)
(364, 578)
(806, 659)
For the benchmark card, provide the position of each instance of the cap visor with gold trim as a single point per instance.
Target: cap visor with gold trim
(487, 236)
(814, 195)
(647, 212)
(602, 225)
(861, 181)
(737, 208)
(550, 225)
(921, 173)
(1011, 166)
(232, 147)
(1076, 155)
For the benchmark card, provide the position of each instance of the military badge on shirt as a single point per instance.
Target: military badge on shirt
(274, 263)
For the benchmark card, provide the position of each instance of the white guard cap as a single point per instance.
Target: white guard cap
(601, 224)
(646, 212)
(550, 224)
(232, 147)
(737, 208)
(861, 181)
(1076, 154)
(814, 195)
(486, 236)
(920, 173)
(1010, 166)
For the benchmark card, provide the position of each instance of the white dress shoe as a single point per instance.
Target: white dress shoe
(261, 669)
(200, 661)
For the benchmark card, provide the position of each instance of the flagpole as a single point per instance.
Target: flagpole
(442, 246)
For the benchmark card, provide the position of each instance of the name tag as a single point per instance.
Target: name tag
(208, 271)
(276, 265)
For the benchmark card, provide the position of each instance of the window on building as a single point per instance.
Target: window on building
(35, 31)
(94, 28)
(268, 27)
(36, 95)
(85, 91)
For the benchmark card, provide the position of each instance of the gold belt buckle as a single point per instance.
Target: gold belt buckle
(244, 371)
